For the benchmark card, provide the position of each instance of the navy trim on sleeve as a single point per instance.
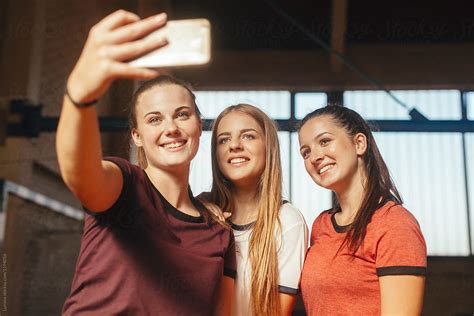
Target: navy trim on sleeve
(338, 228)
(119, 213)
(288, 290)
(230, 273)
(401, 270)
(119, 162)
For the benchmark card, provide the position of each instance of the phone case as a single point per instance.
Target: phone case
(189, 43)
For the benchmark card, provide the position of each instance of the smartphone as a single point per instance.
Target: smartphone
(189, 43)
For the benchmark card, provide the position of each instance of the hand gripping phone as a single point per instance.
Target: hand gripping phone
(189, 43)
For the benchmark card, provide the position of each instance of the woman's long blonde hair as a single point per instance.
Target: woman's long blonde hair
(262, 246)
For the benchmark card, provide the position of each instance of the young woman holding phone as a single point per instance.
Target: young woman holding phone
(148, 247)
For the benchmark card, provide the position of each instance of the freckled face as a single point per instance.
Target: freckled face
(241, 149)
(330, 155)
(168, 127)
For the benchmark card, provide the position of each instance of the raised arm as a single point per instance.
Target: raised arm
(115, 39)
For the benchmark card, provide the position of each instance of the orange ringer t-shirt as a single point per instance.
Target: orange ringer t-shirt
(339, 283)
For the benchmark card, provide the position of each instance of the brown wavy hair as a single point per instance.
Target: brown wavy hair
(379, 187)
(264, 294)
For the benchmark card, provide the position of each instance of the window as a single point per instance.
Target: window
(469, 143)
(297, 185)
(470, 105)
(433, 104)
(428, 168)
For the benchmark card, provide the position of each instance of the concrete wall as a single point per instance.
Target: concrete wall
(450, 286)
(40, 42)
(39, 253)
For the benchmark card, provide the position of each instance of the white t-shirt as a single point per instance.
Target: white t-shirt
(292, 244)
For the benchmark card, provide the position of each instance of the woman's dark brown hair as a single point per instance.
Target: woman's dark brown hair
(379, 186)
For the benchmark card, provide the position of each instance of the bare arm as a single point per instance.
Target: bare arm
(287, 303)
(114, 39)
(402, 294)
(225, 297)
(80, 159)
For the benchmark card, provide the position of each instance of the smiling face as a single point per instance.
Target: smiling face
(240, 149)
(332, 157)
(168, 127)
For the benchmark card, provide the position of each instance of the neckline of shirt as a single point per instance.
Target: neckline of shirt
(338, 228)
(241, 227)
(173, 210)
(343, 229)
(249, 225)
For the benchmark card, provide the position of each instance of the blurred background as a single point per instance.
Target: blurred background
(287, 58)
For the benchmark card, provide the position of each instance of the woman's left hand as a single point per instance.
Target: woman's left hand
(213, 208)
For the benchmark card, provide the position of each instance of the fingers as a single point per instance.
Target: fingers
(102, 58)
(137, 30)
(220, 218)
(116, 19)
(214, 209)
(120, 70)
(128, 51)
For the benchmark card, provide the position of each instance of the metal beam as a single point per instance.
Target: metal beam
(117, 124)
(464, 126)
(338, 32)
